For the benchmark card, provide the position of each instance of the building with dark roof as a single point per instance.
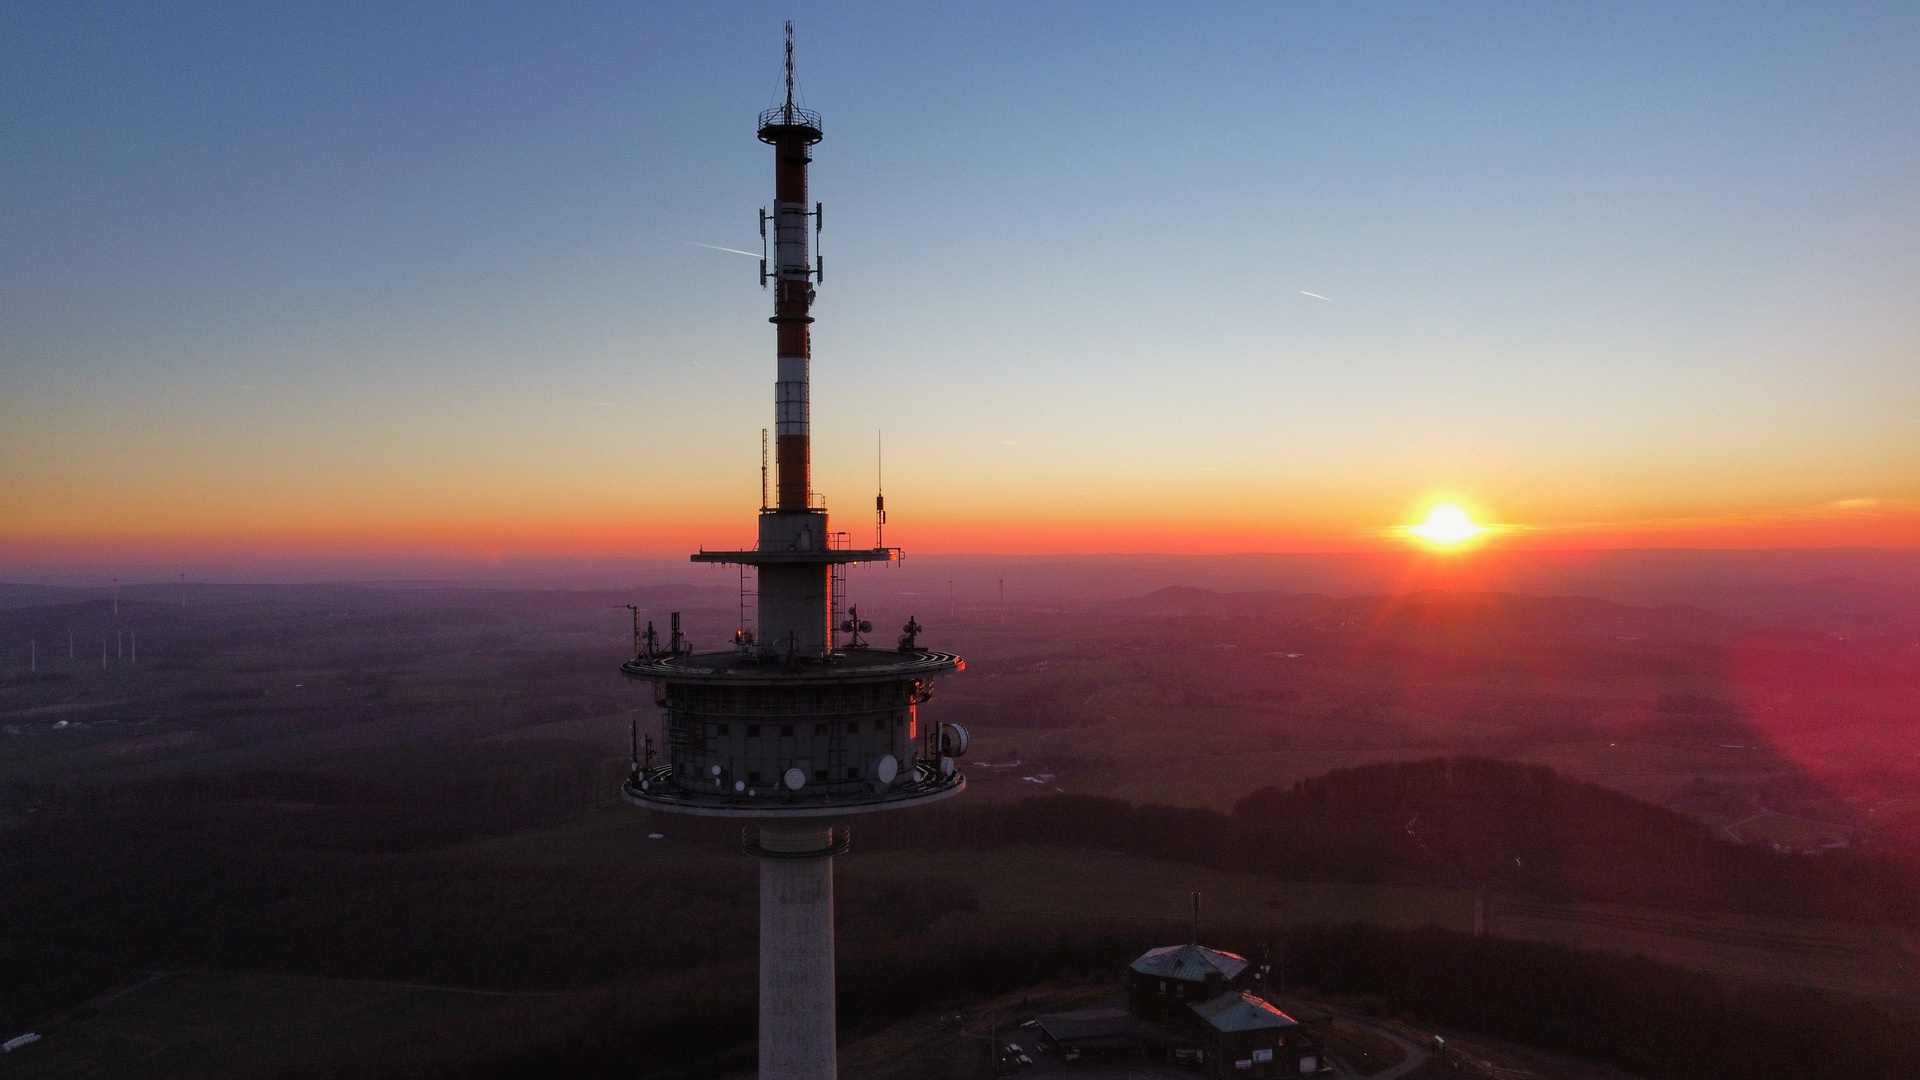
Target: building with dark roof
(1163, 982)
(1189, 1004)
(1247, 1036)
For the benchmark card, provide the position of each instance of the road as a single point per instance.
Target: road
(1026, 1039)
(1416, 1054)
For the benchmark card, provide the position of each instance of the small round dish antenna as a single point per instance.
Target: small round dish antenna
(888, 768)
(794, 779)
(953, 741)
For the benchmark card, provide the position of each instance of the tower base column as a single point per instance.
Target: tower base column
(797, 1009)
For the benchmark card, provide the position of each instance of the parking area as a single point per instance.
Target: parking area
(1021, 1055)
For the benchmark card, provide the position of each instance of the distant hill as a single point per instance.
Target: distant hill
(1472, 822)
(1501, 612)
(1460, 822)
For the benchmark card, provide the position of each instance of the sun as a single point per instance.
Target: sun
(1446, 525)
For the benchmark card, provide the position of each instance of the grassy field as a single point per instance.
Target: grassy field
(952, 1044)
(1022, 885)
(194, 1024)
(1364, 1050)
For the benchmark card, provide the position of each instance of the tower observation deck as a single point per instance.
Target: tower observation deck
(792, 728)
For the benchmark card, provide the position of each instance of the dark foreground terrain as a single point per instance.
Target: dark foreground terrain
(355, 831)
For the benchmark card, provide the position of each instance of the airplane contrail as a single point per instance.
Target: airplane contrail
(1303, 292)
(716, 247)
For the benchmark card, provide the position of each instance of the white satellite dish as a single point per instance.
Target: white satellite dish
(716, 770)
(795, 779)
(888, 768)
(953, 740)
(946, 766)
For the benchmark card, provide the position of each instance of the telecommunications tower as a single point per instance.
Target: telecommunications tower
(800, 723)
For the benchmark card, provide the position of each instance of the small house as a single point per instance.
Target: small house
(1247, 1036)
(1162, 983)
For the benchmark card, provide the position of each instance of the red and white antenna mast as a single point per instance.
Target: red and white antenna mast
(792, 131)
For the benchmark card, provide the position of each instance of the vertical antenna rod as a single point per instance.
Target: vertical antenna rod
(879, 493)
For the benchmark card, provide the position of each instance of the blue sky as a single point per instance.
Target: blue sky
(357, 272)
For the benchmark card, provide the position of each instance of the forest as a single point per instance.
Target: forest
(1463, 822)
(330, 784)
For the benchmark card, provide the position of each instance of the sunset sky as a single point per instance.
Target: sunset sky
(1218, 278)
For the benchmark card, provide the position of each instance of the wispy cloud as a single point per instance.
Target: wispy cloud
(716, 247)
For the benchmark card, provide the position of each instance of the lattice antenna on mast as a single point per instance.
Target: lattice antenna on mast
(789, 66)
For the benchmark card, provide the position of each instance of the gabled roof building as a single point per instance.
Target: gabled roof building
(1163, 982)
(1246, 1036)
(1190, 1004)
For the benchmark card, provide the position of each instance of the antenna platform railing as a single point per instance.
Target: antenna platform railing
(790, 116)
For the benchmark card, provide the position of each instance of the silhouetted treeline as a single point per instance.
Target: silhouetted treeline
(1656, 1020)
(1647, 1017)
(1461, 822)
(271, 888)
(384, 799)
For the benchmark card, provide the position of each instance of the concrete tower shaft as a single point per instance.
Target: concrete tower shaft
(797, 1008)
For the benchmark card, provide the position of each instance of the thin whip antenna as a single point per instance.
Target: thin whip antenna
(880, 493)
(789, 116)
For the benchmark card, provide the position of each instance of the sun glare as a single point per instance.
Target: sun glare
(1446, 525)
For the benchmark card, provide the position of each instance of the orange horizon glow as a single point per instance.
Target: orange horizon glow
(661, 534)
